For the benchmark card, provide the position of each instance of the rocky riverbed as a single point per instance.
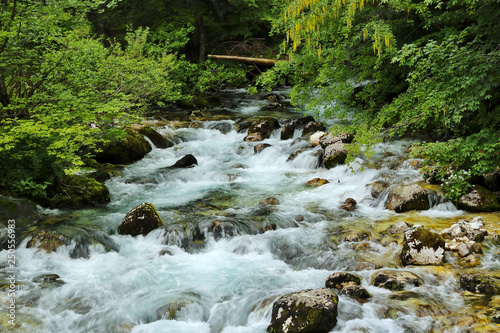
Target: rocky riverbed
(244, 218)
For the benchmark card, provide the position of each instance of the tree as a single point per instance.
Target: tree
(402, 67)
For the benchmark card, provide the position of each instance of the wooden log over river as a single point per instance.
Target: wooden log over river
(248, 60)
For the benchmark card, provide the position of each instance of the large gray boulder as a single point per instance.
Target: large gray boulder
(330, 139)
(422, 247)
(334, 155)
(479, 199)
(140, 221)
(305, 311)
(403, 198)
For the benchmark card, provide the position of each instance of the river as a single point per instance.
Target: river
(185, 279)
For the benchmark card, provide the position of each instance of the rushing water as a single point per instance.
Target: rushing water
(163, 283)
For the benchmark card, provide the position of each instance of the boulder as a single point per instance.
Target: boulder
(403, 198)
(317, 182)
(140, 221)
(275, 106)
(312, 127)
(349, 204)
(357, 237)
(378, 187)
(130, 148)
(316, 137)
(339, 279)
(305, 311)
(79, 191)
(479, 199)
(330, 139)
(260, 147)
(187, 161)
(288, 130)
(395, 280)
(265, 126)
(156, 138)
(474, 230)
(294, 155)
(422, 247)
(23, 211)
(269, 202)
(480, 284)
(334, 155)
(470, 261)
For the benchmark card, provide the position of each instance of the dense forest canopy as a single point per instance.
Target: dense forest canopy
(73, 73)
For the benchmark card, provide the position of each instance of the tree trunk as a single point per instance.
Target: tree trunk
(4, 96)
(256, 61)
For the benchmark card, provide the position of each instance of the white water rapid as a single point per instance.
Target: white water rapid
(168, 282)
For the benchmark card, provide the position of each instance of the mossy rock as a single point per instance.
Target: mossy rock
(23, 211)
(305, 311)
(156, 138)
(264, 126)
(140, 221)
(313, 127)
(480, 284)
(395, 280)
(339, 279)
(79, 191)
(334, 155)
(125, 150)
(403, 198)
(479, 199)
(422, 247)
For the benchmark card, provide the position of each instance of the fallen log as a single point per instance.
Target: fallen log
(248, 60)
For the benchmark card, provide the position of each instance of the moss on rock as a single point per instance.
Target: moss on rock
(479, 199)
(132, 147)
(140, 221)
(79, 191)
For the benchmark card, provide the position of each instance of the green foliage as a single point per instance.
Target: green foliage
(394, 68)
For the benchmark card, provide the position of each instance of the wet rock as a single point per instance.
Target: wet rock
(474, 230)
(187, 161)
(312, 127)
(100, 175)
(403, 198)
(355, 291)
(357, 237)
(140, 221)
(47, 240)
(330, 139)
(422, 247)
(334, 155)
(170, 310)
(156, 138)
(469, 261)
(269, 202)
(272, 98)
(265, 126)
(480, 284)
(305, 311)
(316, 137)
(23, 211)
(295, 154)
(395, 280)
(288, 130)
(48, 280)
(349, 204)
(79, 191)
(260, 147)
(254, 137)
(223, 229)
(378, 187)
(132, 147)
(479, 199)
(317, 182)
(339, 279)
(275, 106)
(399, 228)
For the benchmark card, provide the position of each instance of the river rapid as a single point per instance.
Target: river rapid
(184, 278)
